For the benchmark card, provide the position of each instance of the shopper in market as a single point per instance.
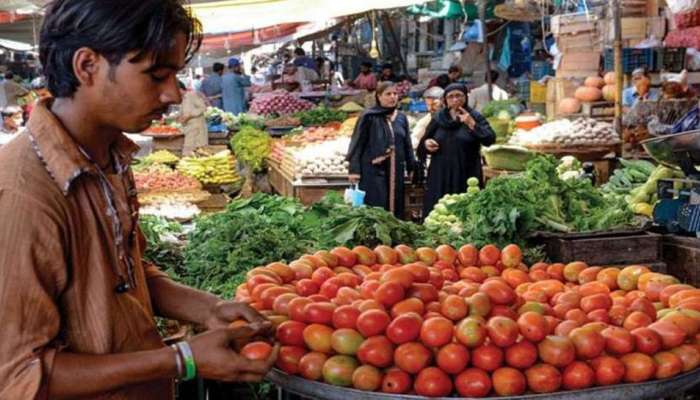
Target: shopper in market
(302, 60)
(233, 87)
(11, 120)
(479, 97)
(380, 152)
(77, 302)
(453, 141)
(366, 79)
(453, 75)
(433, 100)
(194, 123)
(211, 86)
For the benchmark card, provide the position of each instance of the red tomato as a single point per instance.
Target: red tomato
(345, 317)
(473, 382)
(412, 357)
(368, 378)
(373, 322)
(311, 365)
(319, 313)
(532, 326)
(433, 382)
(256, 350)
(543, 378)
(291, 333)
(404, 328)
(389, 293)
(318, 338)
(454, 307)
(557, 351)
(452, 358)
(638, 367)
(608, 370)
(487, 357)
(618, 341)
(503, 331)
(377, 351)
(578, 375)
(521, 355)
(436, 332)
(509, 382)
(588, 343)
(396, 382)
(289, 358)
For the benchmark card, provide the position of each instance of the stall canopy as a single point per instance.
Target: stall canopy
(239, 15)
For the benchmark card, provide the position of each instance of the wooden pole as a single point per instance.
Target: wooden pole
(487, 56)
(617, 28)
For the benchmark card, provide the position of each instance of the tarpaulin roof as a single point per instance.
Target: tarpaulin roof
(239, 15)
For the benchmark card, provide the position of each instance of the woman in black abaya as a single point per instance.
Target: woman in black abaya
(453, 140)
(380, 152)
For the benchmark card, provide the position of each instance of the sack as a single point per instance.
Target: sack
(682, 6)
(355, 196)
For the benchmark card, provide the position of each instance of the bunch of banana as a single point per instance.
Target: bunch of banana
(218, 169)
(161, 157)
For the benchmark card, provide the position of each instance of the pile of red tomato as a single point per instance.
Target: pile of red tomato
(477, 322)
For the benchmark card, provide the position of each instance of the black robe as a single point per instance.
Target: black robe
(457, 159)
(370, 140)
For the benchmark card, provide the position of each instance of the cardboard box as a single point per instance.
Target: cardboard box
(559, 88)
(579, 61)
(584, 41)
(577, 74)
(632, 28)
(573, 23)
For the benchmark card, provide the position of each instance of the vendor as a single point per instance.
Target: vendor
(640, 89)
(11, 120)
(453, 141)
(233, 87)
(452, 76)
(433, 100)
(479, 97)
(302, 60)
(211, 86)
(77, 299)
(194, 123)
(387, 74)
(294, 77)
(380, 152)
(366, 79)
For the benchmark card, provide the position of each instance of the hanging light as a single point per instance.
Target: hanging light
(374, 51)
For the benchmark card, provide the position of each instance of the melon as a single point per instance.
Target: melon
(569, 105)
(594, 82)
(610, 92)
(609, 78)
(588, 94)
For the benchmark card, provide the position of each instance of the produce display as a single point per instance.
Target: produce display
(634, 173)
(279, 102)
(159, 130)
(594, 89)
(218, 169)
(159, 180)
(472, 322)
(512, 207)
(182, 197)
(323, 158)
(282, 122)
(507, 157)
(351, 107)
(252, 146)
(161, 157)
(501, 115)
(216, 116)
(569, 168)
(171, 210)
(320, 116)
(443, 215)
(641, 199)
(582, 132)
(163, 248)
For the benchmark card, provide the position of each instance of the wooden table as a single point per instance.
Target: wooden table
(682, 254)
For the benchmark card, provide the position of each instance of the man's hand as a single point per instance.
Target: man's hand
(354, 178)
(216, 359)
(431, 145)
(225, 312)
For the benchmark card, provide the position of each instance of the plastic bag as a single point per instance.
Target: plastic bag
(682, 6)
(353, 195)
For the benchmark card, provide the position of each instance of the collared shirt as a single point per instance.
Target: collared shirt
(59, 263)
(479, 97)
(366, 82)
(234, 92)
(630, 96)
(211, 87)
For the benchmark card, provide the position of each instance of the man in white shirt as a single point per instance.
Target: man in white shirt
(479, 97)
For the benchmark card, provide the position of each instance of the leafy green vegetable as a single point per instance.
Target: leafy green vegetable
(320, 116)
(252, 147)
(162, 247)
(494, 108)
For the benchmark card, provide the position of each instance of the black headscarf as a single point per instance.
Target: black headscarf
(456, 87)
(443, 117)
(375, 117)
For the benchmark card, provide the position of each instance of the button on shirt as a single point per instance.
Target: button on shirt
(59, 265)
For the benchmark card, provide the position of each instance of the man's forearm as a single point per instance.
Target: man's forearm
(78, 375)
(175, 301)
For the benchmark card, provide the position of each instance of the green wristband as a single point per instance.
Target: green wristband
(188, 358)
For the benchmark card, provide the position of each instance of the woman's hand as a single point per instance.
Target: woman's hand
(466, 118)
(432, 146)
(354, 178)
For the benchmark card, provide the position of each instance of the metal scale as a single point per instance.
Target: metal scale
(678, 208)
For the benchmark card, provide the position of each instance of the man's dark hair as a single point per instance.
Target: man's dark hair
(299, 52)
(494, 76)
(111, 28)
(454, 68)
(9, 75)
(443, 80)
(366, 64)
(218, 67)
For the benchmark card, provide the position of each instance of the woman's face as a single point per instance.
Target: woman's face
(455, 100)
(433, 104)
(389, 98)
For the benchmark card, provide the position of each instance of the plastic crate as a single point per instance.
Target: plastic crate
(523, 89)
(540, 69)
(670, 59)
(631, 59)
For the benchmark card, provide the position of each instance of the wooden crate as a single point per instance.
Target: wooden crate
(584, 41)
(682, 254)
(413, 202)
(573, 23)
(173, 143)
(611, 248)
(579, 63)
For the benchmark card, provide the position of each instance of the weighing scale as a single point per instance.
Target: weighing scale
(678, 208)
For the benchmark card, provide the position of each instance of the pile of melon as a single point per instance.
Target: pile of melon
(594, 89)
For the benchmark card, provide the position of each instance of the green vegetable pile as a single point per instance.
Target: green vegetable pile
(443, 218)
(163, 248)
(252, 146)
(493, 109)
(320, 116)
(633, 174)
(513, 207)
